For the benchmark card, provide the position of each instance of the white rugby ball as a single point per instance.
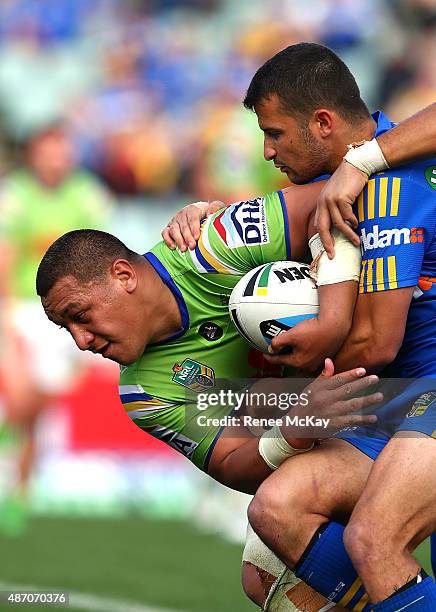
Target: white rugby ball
(271, 299)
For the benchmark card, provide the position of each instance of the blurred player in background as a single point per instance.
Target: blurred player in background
(38, 202)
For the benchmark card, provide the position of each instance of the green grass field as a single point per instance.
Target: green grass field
(157, 564)
(134, 564)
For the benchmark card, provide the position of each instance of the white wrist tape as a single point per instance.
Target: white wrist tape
(343, 267)
(367, 158)
(274, 449)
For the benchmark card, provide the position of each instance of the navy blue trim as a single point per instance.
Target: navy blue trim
(128, 398)
(205, 263)
(211, 447)
(285, 219)
(323, 177)
(166, 278)
(215, 440)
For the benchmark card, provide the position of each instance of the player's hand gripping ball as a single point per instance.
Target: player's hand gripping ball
(271, 299)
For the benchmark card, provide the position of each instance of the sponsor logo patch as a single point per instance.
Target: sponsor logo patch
(422, 404)
(430, 176)
(243, 224)
(194, 375)
(379, 239)
(210, 331)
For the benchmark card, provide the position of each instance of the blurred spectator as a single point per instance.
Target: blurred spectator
(48, 196)
(229, 163)
(152, 89)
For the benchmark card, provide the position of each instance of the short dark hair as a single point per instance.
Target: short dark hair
(307, 76)
(85, 254)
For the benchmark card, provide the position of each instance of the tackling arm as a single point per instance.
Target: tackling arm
(411, 139)
(243, 463)
(313, 340)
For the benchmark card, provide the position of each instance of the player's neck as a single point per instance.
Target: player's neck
(161, 309)
(348, 133)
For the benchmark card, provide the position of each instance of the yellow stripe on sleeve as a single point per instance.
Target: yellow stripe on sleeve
(369, 277)
(379, 276)
(361, 603)
(350, 593)
(395, 197)
(362, 277)
(371, 198)
(382, 196)
(211, 259)
(360, 209)
(392, 272)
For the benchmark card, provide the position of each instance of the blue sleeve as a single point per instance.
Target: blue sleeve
(396, 224)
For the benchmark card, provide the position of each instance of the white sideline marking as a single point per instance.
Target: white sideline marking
(86, 601)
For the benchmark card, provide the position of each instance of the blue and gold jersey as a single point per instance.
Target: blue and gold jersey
(397, 218)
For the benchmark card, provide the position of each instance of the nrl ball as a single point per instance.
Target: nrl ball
(271, 299)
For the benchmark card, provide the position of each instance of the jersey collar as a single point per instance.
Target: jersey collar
(166, 278)
(383, 123)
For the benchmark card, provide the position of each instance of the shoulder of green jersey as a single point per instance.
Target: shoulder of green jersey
(138, 402)
(243, 224)
(205, 258)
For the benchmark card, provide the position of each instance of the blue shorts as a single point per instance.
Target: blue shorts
(410, 406)
(422, 415)
(365, 440)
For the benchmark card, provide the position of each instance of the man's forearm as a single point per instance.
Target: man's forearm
(362, 352)
(413, 138)
(242, 469)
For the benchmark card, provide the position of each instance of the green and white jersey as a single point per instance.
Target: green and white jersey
(33, 216)
(158, 390)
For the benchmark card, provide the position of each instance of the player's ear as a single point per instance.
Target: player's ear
(322, 121)
(123, 271)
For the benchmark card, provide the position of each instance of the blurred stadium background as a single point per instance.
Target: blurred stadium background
(116, 113)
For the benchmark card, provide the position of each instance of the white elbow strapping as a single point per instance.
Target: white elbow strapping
(345, 265)
(274, 449)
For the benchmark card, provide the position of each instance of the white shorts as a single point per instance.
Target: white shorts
(52, 358)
